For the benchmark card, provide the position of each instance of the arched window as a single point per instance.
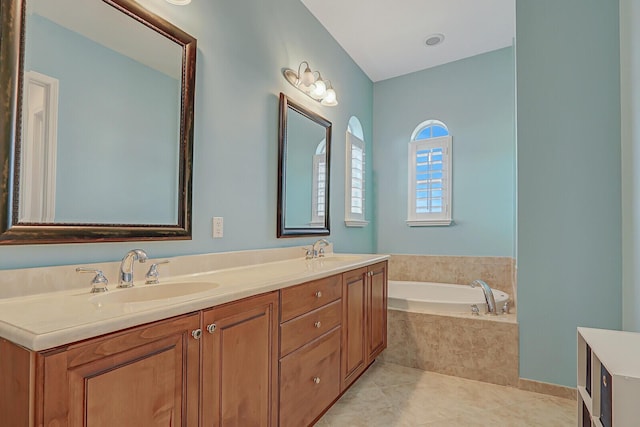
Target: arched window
(429, 175)
(355, 174)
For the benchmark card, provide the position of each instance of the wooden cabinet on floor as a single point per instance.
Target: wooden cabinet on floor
(354, 343)
(364, 319)
(376, 310)
(240, 363)
(310, 350)
(148, 375)
(279, 358)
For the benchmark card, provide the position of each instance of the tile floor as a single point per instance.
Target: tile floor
(390, 395)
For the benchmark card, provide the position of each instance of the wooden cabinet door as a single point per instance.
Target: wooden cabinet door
(240, 363)
(145, 376)
(310, 380)
(376, 310)
(354, 348)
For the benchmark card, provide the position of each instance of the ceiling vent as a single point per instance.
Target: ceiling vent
(433, 40)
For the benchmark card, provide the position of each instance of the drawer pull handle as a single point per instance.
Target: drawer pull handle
(196, 333)
(604, 380)
(317, 324)
(211, 328)
(318, 294)
(316, 380)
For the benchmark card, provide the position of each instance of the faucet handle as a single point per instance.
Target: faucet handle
(308, 253)
(99, 282)
(153, 273)
(321, 253)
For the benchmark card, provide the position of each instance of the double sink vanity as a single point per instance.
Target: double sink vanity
(254, 338)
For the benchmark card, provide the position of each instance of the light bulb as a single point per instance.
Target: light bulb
(307, 78)
(330, 99)
(320, 90)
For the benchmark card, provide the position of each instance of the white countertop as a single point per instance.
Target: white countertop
(47, 320)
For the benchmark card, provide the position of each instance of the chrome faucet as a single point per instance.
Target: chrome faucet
(488, 295)
(319, 253)
(125, 278)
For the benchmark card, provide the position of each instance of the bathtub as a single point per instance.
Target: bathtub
(430, 297)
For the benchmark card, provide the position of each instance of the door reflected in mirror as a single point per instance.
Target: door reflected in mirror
(304, 157)
(98, 112)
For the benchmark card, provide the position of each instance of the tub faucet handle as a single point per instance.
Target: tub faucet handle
(505, 307)
(475, 311)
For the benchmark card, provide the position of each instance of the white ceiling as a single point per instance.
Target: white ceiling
(386, 38)
(113, 29)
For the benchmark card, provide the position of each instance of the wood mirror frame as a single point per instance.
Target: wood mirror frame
(12, 32)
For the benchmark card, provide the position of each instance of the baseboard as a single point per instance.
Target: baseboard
(547, 388)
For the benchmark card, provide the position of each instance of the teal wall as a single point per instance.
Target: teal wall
(303, 138)
(474, 97)
(569, 202)
(105, 124)
(630, 94)
(242, 49)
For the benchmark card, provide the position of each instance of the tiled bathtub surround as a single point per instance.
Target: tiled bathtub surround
(483, 348)
(498, 272)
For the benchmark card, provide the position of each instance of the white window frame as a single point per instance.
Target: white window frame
(354, 219)
(415, 219)
(318, 197)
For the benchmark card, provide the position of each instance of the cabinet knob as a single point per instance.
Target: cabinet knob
(318, 294)
(196, 334)
(316, 380)
(211, 328)
(317, 324)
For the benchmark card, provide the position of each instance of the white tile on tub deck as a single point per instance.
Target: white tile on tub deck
(390, 395)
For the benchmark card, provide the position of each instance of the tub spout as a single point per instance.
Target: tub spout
(488, 295)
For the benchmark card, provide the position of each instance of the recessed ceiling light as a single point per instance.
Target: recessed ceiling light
(434, 39)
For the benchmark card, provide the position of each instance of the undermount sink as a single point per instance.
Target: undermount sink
(148, 293)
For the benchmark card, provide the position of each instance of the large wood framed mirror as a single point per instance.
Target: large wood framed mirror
(96, 123)
(304, 158)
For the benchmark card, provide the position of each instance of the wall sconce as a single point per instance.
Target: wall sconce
(312, 84)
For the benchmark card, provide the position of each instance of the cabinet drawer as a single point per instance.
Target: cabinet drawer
(300, 299)
(310, 380)
(296, 332)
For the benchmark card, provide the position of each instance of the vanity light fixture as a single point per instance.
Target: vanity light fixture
(311, 84)
(179, 2)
